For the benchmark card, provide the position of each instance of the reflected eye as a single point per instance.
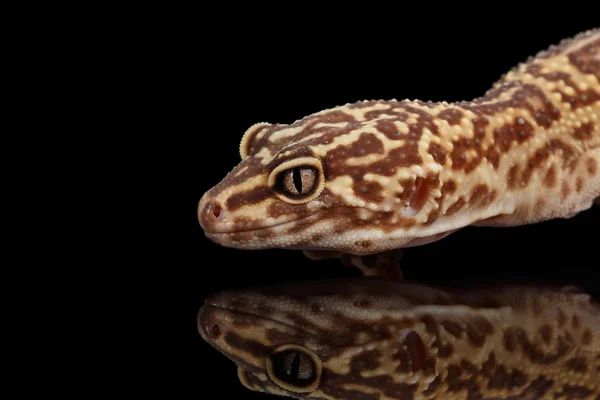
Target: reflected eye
(298, 181)
(294, 369)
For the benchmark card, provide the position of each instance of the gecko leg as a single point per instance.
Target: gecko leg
(384, 264)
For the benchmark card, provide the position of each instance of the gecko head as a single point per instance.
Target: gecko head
(331, 339)
(331, 181)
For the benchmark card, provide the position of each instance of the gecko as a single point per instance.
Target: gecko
(363, 181)
(370, 338)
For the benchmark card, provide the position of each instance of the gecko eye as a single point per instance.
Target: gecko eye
(298, 181)
(294, 368)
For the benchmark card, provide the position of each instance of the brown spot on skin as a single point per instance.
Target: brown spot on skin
(493, 156)
(365, 244)
(480, 195)
(579, 185)
(404, 156)
(338, 392)
(430, 324)
(452, 328)
(584, 132)
(489, 365)
(367, 143)
(315, 308)
(452, 115)
(367, 360)
(433, 386)
(454, 379)
(448, 187)
(477, 330)
(544, 153)
(586, 338)
(458, 204)
(388, 128)
(519, 131)
(250, 345)
(576, 321)
(580, 99)
(469, 367)
(592, 166)
(512, 177)
(574, 392)
(562, 318)
(432, 216)
(317, 237)
(536, 355)
(438, 153)
(385, 383)
(459, 154)
(464, 145)
(510, 340)
(546, 333)
(550, 179)
(445, 350)
(253, 196)
(368, 191)
(540, 386)
(586, 60)
(276, 336)
(278, 208)
(362, 303)
(565, 190)
(577, 364)
(501, 379)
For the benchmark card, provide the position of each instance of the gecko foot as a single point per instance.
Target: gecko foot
(384, 264)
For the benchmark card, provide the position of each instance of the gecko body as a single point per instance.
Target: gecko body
(370, 339)
(375, 176)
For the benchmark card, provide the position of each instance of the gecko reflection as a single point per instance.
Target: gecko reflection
(371, 339)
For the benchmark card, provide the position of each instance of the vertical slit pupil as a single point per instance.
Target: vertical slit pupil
(295, 365)
(297, 179)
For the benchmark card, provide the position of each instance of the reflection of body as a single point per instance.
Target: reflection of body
(370, 338)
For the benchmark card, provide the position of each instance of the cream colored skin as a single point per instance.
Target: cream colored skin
(372, 339)
(526, 152)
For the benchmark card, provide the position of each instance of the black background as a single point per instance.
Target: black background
(278, 70)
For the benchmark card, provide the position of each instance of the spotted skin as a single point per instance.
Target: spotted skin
(386, 175)
(371, 338)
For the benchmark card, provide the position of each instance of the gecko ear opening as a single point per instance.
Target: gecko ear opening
(417, 198)
(416, 349)
(250, 136)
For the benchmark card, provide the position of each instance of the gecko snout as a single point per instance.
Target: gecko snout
(210, 214)
(209, 325)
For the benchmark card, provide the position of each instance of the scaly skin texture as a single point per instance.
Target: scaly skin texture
(368, 339)
(374, 176)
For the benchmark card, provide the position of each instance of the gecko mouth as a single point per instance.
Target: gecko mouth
(210, 307)
(278, 227)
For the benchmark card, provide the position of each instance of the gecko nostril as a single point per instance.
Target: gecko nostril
(216, 211)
